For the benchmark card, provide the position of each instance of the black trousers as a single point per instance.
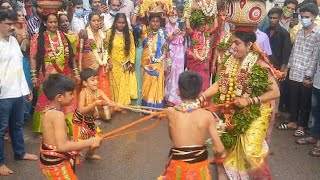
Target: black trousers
(299, 102)
(284, 97)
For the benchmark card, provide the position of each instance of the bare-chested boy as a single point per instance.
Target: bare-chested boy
(56, 150)
(188, 129)
(91, 102)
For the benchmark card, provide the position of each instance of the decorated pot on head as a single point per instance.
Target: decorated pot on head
(50, 6)
(246, 13)
(155, 7)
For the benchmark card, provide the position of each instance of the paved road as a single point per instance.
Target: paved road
(143, 156)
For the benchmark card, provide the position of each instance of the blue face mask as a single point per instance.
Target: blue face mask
(78, 12)
(113, 13)
(306, 22)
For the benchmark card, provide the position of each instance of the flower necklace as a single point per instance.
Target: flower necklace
(233, 83)
(56, 53)
(153, 59)
(188, 106)
(205, 50)
(59, 50)
(208, 9)
(102, 61)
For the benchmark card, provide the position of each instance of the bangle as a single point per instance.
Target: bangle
(33, 74)
(203, 96)
(250, 100)
(259, 99)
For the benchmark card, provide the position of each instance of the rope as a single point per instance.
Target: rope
(152, 126)
(115, 133)
(146, 118)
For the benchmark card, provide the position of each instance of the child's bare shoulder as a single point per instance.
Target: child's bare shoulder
(53, 115)
(82, 92)
(100, 92)
(204, 114)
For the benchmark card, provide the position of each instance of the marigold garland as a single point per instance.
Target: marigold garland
(242, 118)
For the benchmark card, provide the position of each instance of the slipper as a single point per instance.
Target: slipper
(304, 141)
(285, 127)
(315, 152)
(299, 133)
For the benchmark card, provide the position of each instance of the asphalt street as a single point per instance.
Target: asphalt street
(143, 156)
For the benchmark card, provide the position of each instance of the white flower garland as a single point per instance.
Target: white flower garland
(231, 87)
(53, 49)
(208, 9)
(104, 60)
(205, 50)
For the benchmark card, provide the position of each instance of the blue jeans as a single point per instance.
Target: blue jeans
(11, 114)
(315, 113)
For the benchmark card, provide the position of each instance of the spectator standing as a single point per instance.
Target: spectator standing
(114, 8)
(13, 88)
(127, 7)
(35, 21)
(77, 20)
(289, 7)
(263, 42)
(314, 137)
(281, 48)
(279, 40)
(302, 66)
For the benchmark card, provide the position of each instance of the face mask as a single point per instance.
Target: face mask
(306, 22)
(287, 12)
(78, 12)
(113, 13)
(173, 20)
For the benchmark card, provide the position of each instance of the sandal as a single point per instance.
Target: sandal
(285, 127)
(304, 141)
(299, 133)
(315, 152)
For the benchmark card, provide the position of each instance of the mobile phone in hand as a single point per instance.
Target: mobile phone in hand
(295, 15)
(181, 25)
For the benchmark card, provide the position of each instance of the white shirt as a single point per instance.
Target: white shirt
(13, 83)
(108, 22)
(77, 24)
(127, 8)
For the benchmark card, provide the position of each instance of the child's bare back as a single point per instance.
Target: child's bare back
(50, 117)
(189, 128)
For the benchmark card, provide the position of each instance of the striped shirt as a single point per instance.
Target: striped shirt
(33, 25)
(304, 55)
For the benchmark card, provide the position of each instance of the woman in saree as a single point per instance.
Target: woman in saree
(64, 26)
(155, 61)
(50, 53)
(199, 54)
(247, 80)
(123, 83)
(177, 51)
(95, 52)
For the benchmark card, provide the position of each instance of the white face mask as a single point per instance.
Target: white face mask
(173, 20)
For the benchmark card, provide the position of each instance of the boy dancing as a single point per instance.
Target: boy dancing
(188, 128)
(56, 151)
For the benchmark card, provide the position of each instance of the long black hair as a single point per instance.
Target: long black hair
(126, 34)
(41, 46)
